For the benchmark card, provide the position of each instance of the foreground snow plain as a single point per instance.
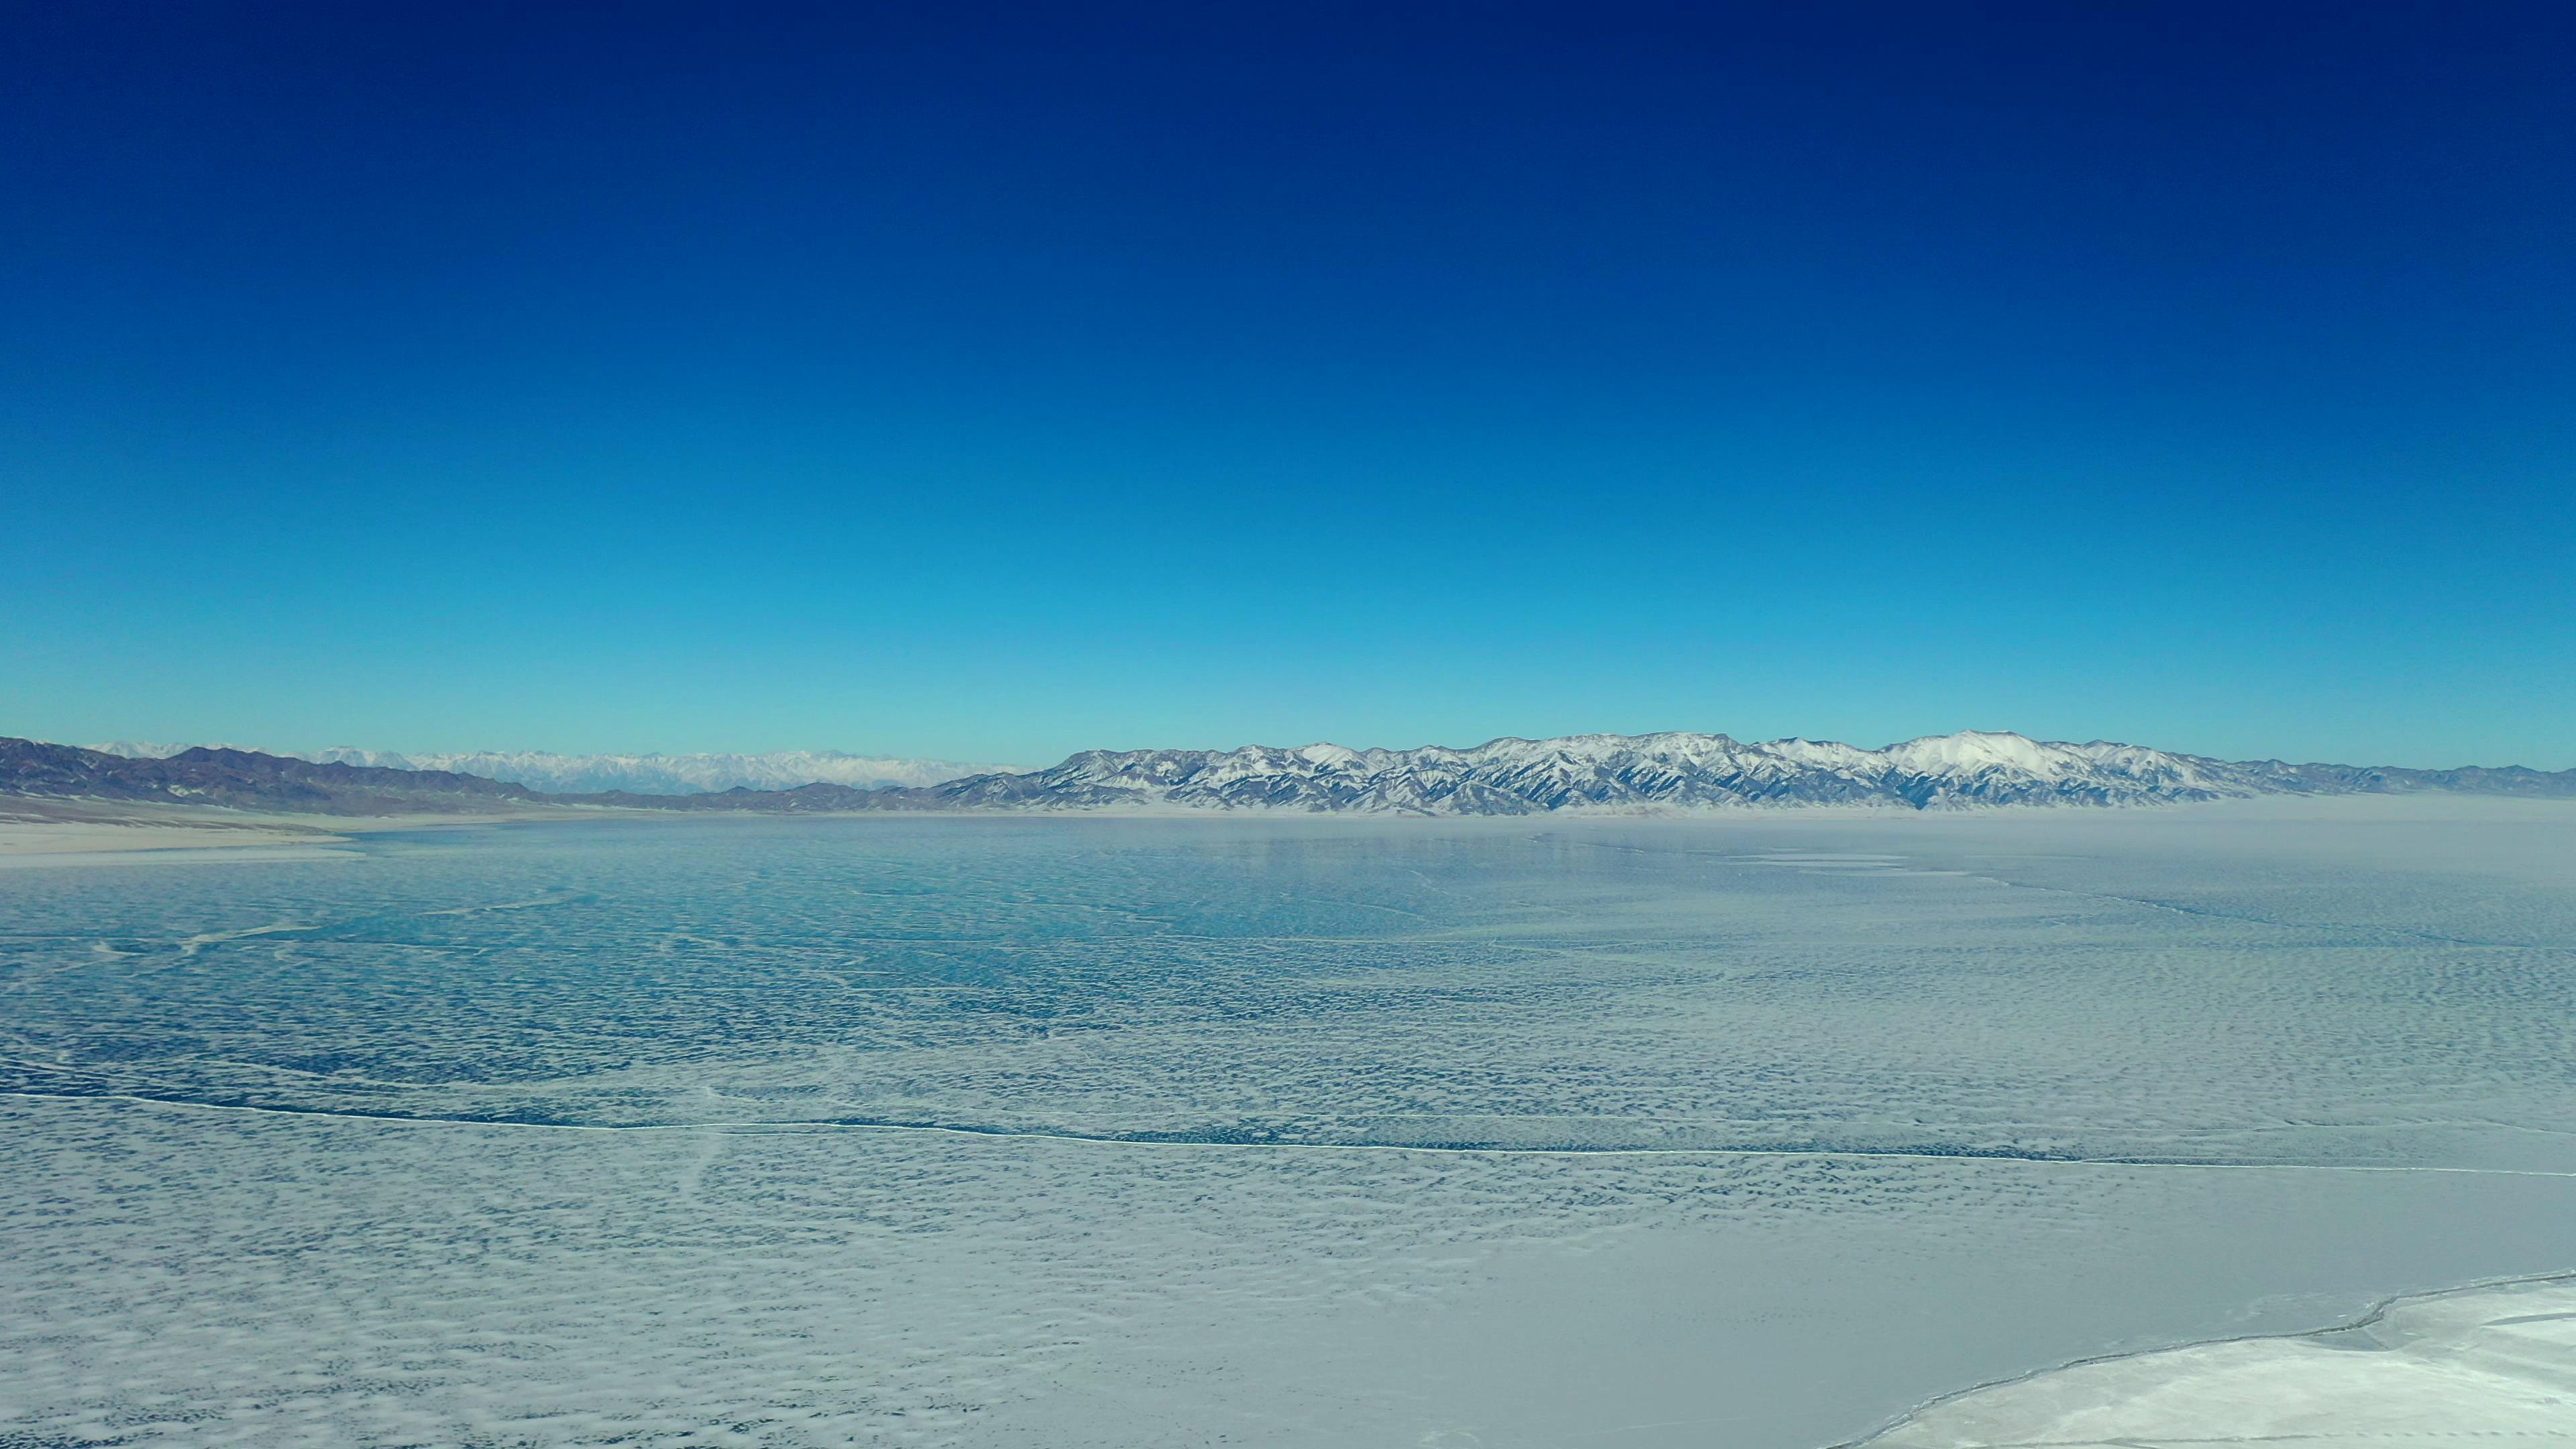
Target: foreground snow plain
(2493, 1361)
(1754, 1131)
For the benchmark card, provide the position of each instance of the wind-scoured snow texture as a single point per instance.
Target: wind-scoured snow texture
(1614, 772)
(650, 774)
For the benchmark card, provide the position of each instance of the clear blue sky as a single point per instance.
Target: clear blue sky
(991, 383)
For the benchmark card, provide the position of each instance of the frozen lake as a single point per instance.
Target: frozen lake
(1751, 1130)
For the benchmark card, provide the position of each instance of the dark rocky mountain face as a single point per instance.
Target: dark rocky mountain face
(246, 780)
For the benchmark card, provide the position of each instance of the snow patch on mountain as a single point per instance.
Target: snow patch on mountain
(1630, 772)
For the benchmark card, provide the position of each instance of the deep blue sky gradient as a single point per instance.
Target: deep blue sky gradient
(991, 383)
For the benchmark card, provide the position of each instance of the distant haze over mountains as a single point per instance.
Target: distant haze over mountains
(1501, 777)
(652, 774)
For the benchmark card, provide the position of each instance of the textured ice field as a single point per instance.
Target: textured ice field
(1753, 1131)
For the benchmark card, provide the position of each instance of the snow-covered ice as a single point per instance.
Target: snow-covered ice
(2488, 1362)
(1760, 1131)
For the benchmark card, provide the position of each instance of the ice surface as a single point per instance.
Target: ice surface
(1075, 1131)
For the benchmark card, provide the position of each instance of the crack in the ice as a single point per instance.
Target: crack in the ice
(1210, 1142)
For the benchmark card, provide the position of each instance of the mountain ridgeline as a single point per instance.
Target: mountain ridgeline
(1660, 772)
(247, 780)
(557, 774)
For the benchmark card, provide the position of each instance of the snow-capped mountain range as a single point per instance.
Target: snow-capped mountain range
(1660, 772)
(635, 774)
(1515, 776)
